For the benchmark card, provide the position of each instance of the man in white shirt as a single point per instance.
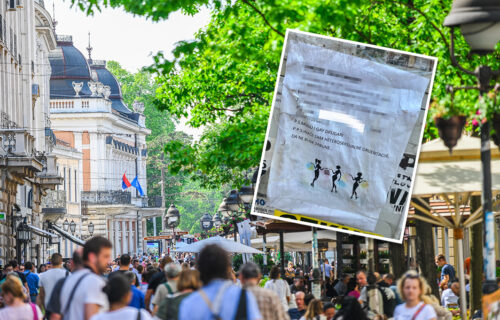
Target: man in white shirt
(82, 295)
(49, 278)
(449, 297)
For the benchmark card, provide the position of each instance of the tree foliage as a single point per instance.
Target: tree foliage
(191, 200)
(224, 79)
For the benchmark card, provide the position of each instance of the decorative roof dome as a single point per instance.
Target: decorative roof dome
(68, 64)
(73, 76)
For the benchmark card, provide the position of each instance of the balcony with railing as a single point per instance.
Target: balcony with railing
(154, 202)
(106, 197)
(17, 150)
(49, 178)
(90, 104)
(54, 205)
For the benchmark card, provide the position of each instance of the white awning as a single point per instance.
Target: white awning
(42, 232)
(68, 236)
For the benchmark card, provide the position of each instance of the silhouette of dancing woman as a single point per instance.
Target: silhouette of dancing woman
(317, 167)
(357, 181)
(336, 175)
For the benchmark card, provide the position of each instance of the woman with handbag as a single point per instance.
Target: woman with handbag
(411, 288)
(14, 299)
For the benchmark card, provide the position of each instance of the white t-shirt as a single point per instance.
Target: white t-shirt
(48, 280)
(24, 312)
(89, 291)
(404, 313)
(281, 288)
(127, 313)
(448, 298)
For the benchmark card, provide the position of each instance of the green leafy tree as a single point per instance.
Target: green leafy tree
(192, 200)
(224, 79)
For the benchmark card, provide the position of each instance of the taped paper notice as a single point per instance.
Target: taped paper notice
(344, 116)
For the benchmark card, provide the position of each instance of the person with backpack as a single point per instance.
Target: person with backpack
(412, 289)
(82, 295)
(119, 294)
(189, 281)
(219, 298)
(14, 299)
(53, 307)
(376, 299)
(172, 271)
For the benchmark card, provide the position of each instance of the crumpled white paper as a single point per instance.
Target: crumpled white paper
(344, 111)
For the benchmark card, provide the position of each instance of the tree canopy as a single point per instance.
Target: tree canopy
(224, 79)
(190, 198)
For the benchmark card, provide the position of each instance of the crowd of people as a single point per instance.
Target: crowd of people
(90, 287)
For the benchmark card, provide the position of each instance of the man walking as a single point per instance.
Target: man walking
(219, 298)
(32, 279)
(49, 278)
(82, 295)
(269, 303)
(124, 267)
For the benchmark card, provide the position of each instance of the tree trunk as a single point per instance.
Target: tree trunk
(397, 258)
(356, 252)
(340, 265)
(425, 254)
(476, 251)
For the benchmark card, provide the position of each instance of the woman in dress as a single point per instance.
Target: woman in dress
(336, 175)
(357, 182)
(411, 287)
(317, 168)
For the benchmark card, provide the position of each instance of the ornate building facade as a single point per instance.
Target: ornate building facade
(27, 165)
(89, 118)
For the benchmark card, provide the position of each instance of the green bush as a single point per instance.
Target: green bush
(257, 258)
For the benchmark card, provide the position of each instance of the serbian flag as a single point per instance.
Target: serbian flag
(125, 183)
(137, 185)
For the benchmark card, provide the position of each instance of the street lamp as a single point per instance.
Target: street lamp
(72, 227)
(23, 236)
(479, 22)
(91, 228)
(66, 225)
(234, 201)
(217, 220)
(172, 217)
(172, 220)
(23, 232)
(206, 222)
(223, 208)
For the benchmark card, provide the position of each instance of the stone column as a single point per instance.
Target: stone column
(117, 238)
(131, 237)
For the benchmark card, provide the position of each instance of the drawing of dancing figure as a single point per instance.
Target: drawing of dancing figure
(357, 181)
(317, 168)
(336, 176)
